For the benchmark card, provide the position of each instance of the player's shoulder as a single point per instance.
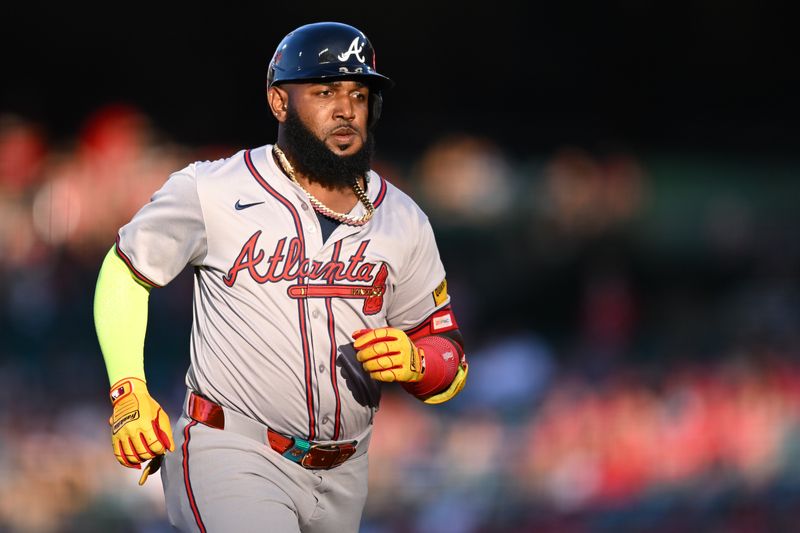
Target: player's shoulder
(211, 174)
(221, 166)
(209, 166)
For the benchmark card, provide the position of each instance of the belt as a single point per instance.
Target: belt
(311, 455)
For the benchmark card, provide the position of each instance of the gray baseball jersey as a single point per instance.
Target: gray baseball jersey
(274, 305)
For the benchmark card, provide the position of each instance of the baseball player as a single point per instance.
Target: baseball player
(315, 282)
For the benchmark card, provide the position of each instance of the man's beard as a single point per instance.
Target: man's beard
(311, 157)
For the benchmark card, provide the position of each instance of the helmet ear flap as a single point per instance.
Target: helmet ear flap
(375, 107)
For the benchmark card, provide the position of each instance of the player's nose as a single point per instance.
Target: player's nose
(344, 108)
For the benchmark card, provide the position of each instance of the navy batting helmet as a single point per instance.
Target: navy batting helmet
(324, 51)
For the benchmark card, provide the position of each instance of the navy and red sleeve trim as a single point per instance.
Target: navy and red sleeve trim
(381, 194)
(141, 277)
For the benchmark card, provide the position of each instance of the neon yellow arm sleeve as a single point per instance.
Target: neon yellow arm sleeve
(120, 318)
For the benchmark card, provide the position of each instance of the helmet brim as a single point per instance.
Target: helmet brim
(373, 79)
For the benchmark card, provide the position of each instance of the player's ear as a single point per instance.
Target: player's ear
(278, 100)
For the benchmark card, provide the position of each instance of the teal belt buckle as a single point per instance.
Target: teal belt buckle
(298, 450)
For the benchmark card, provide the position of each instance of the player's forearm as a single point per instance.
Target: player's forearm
(120, 318)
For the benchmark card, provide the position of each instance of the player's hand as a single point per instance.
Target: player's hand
(140, 429)
(387, 354)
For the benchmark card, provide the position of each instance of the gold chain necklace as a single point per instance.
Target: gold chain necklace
(322, 208)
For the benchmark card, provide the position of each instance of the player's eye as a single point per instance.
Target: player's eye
(359, 96)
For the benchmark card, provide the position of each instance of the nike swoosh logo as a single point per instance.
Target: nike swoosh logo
(239, 206)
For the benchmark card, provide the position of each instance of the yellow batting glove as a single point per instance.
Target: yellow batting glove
(140, 429)
(387, 354)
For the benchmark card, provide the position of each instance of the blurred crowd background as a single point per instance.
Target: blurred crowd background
(623, 262)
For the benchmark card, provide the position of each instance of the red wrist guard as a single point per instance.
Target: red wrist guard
(441, 360)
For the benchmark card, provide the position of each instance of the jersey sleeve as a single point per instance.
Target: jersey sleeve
(418, 293)
(166, 234)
